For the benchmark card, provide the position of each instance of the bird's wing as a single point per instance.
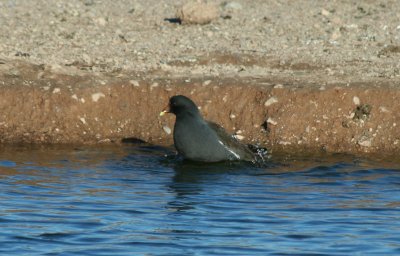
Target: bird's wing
(229, 140)
(219, 130)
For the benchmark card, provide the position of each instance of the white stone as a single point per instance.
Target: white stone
(207, 82)
(101, 21)
(233, 6)
(383, 109)
(271, 101)
(153, 85)
(271, 121)
(134, 83)
(356, 100)
(365, 143)
(239, 137)
(325, 12)
(97, 96)
(56, 90)
(167, 130)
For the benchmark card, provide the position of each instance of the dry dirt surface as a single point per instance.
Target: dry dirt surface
(289, 75)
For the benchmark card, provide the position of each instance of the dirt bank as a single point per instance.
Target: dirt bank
(40, 105)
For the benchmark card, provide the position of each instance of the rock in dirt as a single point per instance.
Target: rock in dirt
(232, 6)
(197, 13)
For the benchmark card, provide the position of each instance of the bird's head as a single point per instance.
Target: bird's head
(180, 105)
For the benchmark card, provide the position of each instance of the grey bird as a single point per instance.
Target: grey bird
(199, 140)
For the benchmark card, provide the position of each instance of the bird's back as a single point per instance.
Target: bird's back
(195, 140)
(232, 143)
(199, 140)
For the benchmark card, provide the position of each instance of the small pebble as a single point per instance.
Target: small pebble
(271, 121)
(207, 82)
(383, 109)
(232, 6)
(365, 143)
(356, 100)
(134, 83)
(97, 96)
(101, 21)
(325, 12)
(153, 85)
(167, 130)
(239, 137)
(271, 101)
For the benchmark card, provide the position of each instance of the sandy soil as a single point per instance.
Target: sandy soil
(305, 75)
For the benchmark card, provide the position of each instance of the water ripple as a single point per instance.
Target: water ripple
(126, 200)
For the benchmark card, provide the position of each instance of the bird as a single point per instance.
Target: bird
(197, 139)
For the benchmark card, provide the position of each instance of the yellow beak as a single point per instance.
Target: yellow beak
(163, 112)
(166, 110)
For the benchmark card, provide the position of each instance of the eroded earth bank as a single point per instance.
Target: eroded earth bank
(39, 105)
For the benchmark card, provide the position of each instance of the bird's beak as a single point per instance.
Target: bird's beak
(166, 110)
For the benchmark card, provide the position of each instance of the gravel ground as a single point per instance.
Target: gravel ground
(354, 40)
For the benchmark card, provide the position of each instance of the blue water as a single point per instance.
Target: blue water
(129, 200)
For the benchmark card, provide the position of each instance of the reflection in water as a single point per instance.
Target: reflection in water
(127, 200)
(188, 180)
